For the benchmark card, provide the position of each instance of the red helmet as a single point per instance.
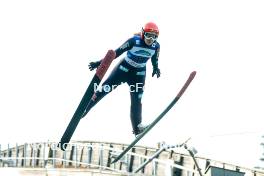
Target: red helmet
(150, 27)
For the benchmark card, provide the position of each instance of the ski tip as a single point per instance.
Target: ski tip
(112, 53)
(193, 74)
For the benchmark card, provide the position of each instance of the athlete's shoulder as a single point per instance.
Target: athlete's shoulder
(140, 42)
(137, 38)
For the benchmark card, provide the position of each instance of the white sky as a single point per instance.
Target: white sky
(45, 47)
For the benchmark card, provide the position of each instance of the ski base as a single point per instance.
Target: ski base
(100, 72)
(140, 136)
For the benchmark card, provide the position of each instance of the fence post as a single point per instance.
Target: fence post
(101, 157)
(89, 155)
(34, 157)
(25, 155)
(44, 154)
(0, 153)
(8, 152)
(64, 159)
(76, 157)
(53, 156)
(128, 162)
(16, 154)
(154, 168)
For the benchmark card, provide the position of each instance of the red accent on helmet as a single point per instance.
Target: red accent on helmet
(151, 27)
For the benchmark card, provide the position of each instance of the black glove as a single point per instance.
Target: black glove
(94, 65)
(156, 71)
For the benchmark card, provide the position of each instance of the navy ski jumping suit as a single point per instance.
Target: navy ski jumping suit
(132, 70)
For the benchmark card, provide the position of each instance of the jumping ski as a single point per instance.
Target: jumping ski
(140, 136)
(100, 72)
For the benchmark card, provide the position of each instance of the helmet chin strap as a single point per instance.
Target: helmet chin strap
(142, 34)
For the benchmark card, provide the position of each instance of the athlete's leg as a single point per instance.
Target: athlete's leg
(115, 79)
(136, 91)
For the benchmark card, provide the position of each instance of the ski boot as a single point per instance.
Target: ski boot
(140, 129)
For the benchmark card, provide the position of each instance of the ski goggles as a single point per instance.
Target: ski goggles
(149, 35)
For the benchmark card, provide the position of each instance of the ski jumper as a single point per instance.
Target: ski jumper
(131, 70)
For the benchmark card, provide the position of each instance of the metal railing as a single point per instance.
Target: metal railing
(43, 154)
(98, 156)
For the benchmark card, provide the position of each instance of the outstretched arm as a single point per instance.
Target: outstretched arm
(123, 48)
(155, 65)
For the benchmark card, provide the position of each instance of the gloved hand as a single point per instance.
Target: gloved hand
(156, 71)
(94, 65)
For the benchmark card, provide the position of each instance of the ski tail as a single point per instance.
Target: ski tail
(183, 89)
(100, 72)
